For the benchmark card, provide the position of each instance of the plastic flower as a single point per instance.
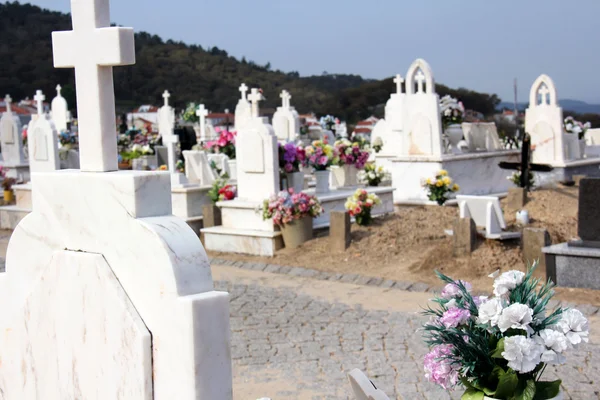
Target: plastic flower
(523, 354)
(490, 311)
(455, 188)
(574, 326)
(454, 317)
(162, 168)
(443, 172)
(507, 282)
(452, 290)
(555, 344)
(516, 316)
(439, 367)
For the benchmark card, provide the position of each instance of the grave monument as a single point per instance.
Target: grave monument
(117, 299)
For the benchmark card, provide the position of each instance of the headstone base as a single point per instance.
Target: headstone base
(339, 231)
(532, 243)
(573, 267)
(464, 237)
(516, 199)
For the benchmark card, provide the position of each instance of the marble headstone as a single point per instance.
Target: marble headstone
(43, 146)
(117, 300)
(286, 121)
(60, 111)
(11, 139)
(197, 168)
(243, 113)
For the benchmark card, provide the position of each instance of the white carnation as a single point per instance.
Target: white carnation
(523, 354)
(555, 344)
(574, 326)
(515, 316)
(507, 282)
(490, 311)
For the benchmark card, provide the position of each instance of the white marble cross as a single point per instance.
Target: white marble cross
(202, 112)
(255, 97)
(244, 90)
(285, 99)
(58, 89)
(39, 100)
(398, 81)
(166, 96)
(420, 77)
(93, 48)
(8, 100)
(544, 91)
(171, 141)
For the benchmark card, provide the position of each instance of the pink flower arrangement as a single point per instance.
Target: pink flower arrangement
(287, 206)
(225, 144)
(320, 155)
(227, 193)
(349, 153)
(440, 367)
(291, 157)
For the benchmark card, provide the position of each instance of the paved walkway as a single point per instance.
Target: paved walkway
(297, 337)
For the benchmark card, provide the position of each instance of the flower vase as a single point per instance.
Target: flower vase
(232, 169)
(344, 176)
(322, 178)
(582, 146)
(295, 181)
(9, 196)
(454, 133)
(297, 232)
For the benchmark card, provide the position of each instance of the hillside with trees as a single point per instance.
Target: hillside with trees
(190, 72)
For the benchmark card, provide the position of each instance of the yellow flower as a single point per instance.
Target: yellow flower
(446, 180)
(455, 188)
(316, 143)
(428, 181)
(328, 151)
(439, 183)
(309, 150)
(443, 172)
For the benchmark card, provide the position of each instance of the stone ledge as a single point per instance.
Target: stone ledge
(362, 280)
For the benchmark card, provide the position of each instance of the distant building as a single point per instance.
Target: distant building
(508, 116)
(144, 117)
(473, 116)
(365, 127)
(224, 120)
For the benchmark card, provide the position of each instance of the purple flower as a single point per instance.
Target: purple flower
(454, 317)
(452, 290)
(440, 368)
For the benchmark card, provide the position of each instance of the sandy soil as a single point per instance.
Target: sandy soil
(410, 244)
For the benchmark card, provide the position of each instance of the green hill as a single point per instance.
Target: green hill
(189, 72)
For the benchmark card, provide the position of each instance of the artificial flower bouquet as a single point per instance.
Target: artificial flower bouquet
(221, 191)
(575, 127)
(452, 110)
(440, 188)
(320, 155)
(189, 114)
(225, 144)
(499, 347)
(360, 205)
(516, 179)
(137, 151)
(373, 175)
(329, 122)
(287, 206)
(180, 166)
(67, 140)
(291, 157)
(377, 144)
(349, 153)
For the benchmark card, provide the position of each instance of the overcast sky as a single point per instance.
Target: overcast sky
(478, 44)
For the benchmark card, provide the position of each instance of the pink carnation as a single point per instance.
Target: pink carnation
(454, 317)
(439, 367)
(452, 290)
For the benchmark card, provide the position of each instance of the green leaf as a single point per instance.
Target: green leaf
(528, 392)
(472, 394)
(547, 390)
(499, 349)
(507, 385)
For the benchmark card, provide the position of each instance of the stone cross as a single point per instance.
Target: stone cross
(544, 92)
(398, 81)
(420, 77)
(202, 112)
(58, 89)
(39, 100)
(285, 97)
(8, 100)
(254, 98)
(171, 141)
(244, 90)
(166, 96)
(93, 48)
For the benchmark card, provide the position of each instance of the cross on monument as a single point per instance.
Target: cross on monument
(39, 100)
(420, 77)
(254, 98)
(171, 141)
(525, 165)
(398, 81)
(285, 97)
(58, 89)
(544, 92)
(93, 48)
(244, 90)
(166, 96)
(8, 100)
(202, 112)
